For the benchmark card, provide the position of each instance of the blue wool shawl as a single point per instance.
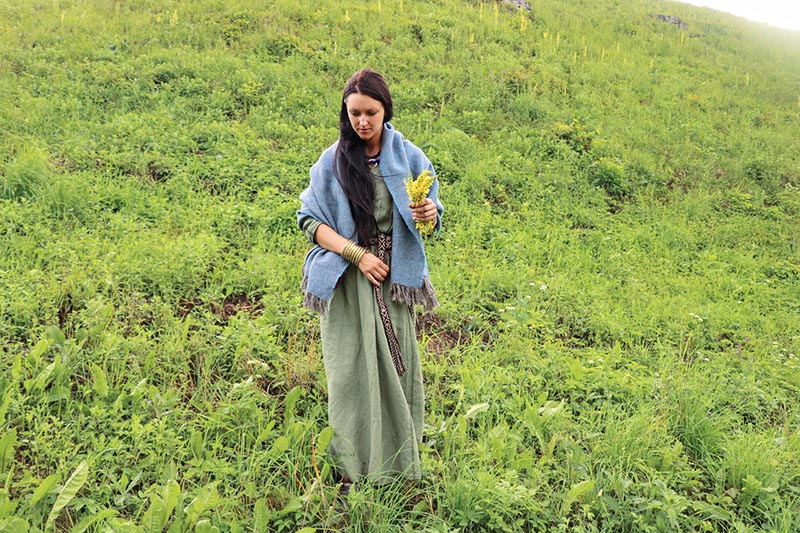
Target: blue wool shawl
(324, 200)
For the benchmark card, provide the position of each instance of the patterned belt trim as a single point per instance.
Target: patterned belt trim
(383, 242)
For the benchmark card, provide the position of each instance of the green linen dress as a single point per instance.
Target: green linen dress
(375, 414)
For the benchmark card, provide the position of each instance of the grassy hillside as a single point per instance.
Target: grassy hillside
(617, 346)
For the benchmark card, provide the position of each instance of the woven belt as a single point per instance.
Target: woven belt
(383, 243)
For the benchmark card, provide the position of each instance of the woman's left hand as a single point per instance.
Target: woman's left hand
(424, 211)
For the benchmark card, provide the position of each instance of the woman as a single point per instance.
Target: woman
(365, 274)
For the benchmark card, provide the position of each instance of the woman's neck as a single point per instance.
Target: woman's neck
(374, 148)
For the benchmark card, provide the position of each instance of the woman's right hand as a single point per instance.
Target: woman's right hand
(373, 268)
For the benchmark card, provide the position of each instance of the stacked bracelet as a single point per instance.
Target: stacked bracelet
(353, 252)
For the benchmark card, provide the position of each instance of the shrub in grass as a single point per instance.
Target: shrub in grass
(692, 420)
(610, 176)
(484, 501)
(67, 197)
(576, 135)
(760, 171)
(25, 174)
(746, 472)
(638, 447)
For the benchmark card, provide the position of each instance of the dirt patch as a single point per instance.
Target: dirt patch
(441, 337)
(225, 310)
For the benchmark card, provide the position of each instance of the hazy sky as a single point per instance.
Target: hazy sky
(781, 13)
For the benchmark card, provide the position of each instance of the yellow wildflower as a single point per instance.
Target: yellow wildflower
(418, 190)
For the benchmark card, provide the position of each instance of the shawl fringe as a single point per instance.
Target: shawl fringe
(312, 302)
(316, 304)
(424, 296)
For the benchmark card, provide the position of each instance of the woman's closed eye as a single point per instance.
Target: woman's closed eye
(370, 113)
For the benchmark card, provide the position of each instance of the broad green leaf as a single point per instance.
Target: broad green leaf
(44, 488)
(550, 448)
(55, 336)
(265, 433)
(68, 492)
(14, 525)
(204, 501)
(171, 493)
(99, 380)
(307, 530)
(292, 507)
(7, 443)
(291, 399)
(577, 493)
(155, 516)
(475, 409)
(43, 378)
(204, 526)
(91, 520)
(177, 524)
(324, 439)
(4, 406)
(576, 369)
(122, 526)
(161, 507)
(550, 409)
(280, 445)
(196, 442)
(260, 515)
(103, 317)
(16, 368)
(139, 389)
(36, 353)
(57, 393)
(712, 511)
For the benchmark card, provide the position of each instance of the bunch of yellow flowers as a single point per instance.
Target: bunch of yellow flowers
(418, 190)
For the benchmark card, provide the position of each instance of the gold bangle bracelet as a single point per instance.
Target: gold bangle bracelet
(359, 253)
(353, 253)
(346, 250)
(350, 251)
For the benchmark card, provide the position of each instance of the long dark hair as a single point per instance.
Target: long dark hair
(351, 167)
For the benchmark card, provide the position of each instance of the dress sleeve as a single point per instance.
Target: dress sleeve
(309, 226)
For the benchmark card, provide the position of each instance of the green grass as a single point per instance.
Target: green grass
(617, 346)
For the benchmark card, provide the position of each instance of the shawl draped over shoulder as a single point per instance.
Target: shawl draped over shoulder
(324, 200)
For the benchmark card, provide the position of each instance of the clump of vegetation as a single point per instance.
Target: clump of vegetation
(610, 176)
(576, 135)
(24, 175)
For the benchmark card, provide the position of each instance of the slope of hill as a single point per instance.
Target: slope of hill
(617, 346)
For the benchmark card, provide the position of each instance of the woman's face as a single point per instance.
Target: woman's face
(366, 118)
